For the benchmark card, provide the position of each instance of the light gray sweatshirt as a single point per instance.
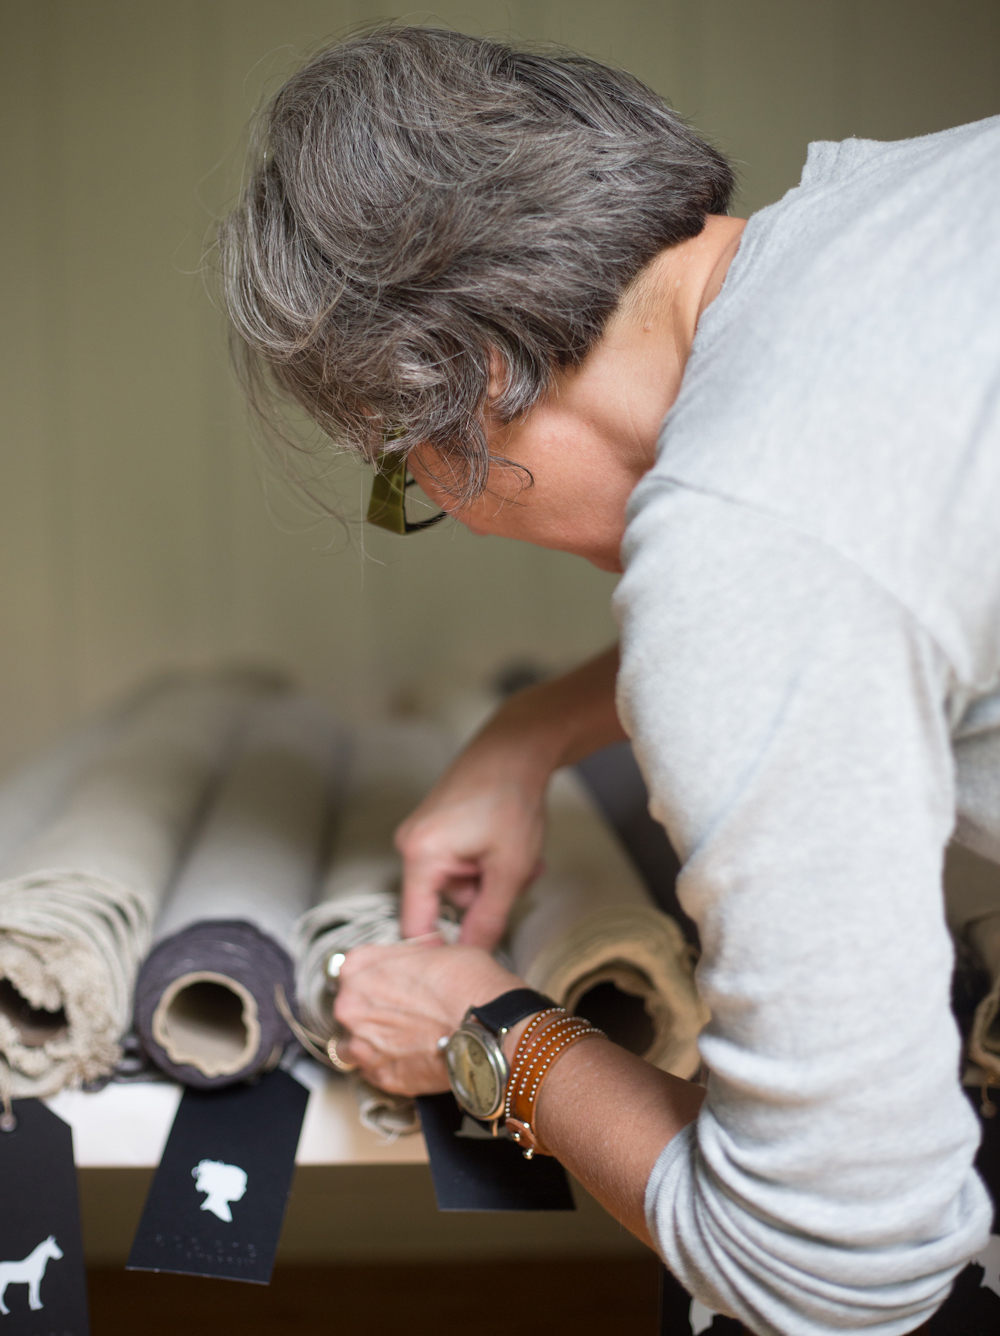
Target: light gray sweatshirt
(811, 674)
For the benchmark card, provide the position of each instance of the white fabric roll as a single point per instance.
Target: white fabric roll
(589, 924)
(77, 901)
(257, 856)
(253, 870)
(393, 766)
(34, 793)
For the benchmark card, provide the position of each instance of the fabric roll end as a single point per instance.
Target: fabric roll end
(208, 1021)
(59, 1022)
(630, 972)
(206, 1008)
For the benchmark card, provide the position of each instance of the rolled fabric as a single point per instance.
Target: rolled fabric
(205, 1006)
(77, 901)
(34, 793)
(393, 766)
(587, 934)
(983, 935)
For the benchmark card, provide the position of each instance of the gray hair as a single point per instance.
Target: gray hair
(425, 208)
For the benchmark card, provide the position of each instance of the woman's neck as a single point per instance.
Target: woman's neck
(645, 348)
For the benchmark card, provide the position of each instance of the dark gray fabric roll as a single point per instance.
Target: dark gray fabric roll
(209, 991)
(206, 1008)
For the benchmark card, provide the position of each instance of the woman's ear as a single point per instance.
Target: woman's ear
(499, 378)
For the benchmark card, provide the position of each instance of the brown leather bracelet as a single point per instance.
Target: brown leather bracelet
(543, 1043)
(529, 1073)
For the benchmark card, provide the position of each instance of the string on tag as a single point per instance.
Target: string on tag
(8, 1119)
(314, 1044)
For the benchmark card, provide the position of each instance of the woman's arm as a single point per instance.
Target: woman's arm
(792, 717)
(603, 1112)
(478, 834)
(607, 1115)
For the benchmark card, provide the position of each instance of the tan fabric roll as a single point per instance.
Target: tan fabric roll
(587, 934)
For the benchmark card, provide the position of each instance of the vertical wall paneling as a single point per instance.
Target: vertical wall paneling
(139, 527)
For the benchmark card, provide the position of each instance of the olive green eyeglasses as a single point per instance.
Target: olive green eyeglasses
(387, 504)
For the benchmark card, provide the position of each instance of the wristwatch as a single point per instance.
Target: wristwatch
(477, 1068)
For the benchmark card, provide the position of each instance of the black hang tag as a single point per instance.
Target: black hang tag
(43, 1284)
(217, 1201)
(489, 1174)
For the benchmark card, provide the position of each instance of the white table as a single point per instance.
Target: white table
(126, 1126)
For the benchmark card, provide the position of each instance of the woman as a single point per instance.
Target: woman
(505, 270)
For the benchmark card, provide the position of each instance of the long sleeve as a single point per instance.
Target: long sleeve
(793, 724)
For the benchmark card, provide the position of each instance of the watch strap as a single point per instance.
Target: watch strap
(509, 1008)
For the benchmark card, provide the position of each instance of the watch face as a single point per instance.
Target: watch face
(474, 1078)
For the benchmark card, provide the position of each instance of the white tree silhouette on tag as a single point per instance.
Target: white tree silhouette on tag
(224, 1183)
(29, 1272)
(989, 1260)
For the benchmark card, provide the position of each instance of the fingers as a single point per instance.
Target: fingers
(421, 898)
(427, 878)
(485, 920)
(395, 1002)
(485, 884)
(409, 1073)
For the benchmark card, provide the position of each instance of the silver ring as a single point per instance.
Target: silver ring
(443, 1042)
(337, 1060)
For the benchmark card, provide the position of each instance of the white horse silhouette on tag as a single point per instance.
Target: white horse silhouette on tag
(224, 1183)
(29, 1272)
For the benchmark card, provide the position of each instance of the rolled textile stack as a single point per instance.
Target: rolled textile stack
(34, 793)
(206, 1008)
(588, 935)
(393, 766)
(77, 901)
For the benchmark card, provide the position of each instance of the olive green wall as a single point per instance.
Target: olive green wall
(134, 527)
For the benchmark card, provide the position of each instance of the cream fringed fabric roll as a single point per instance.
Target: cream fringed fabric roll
(392, 768)
(588, 935)
(206, 1004)
(77, 901)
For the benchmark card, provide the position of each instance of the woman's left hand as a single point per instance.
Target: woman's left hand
(396, 1002)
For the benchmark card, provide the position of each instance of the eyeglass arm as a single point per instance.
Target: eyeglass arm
(387, 503)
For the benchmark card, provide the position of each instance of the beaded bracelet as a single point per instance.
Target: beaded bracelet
(549, 1036)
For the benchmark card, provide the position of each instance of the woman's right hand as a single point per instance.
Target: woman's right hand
(476, 839)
